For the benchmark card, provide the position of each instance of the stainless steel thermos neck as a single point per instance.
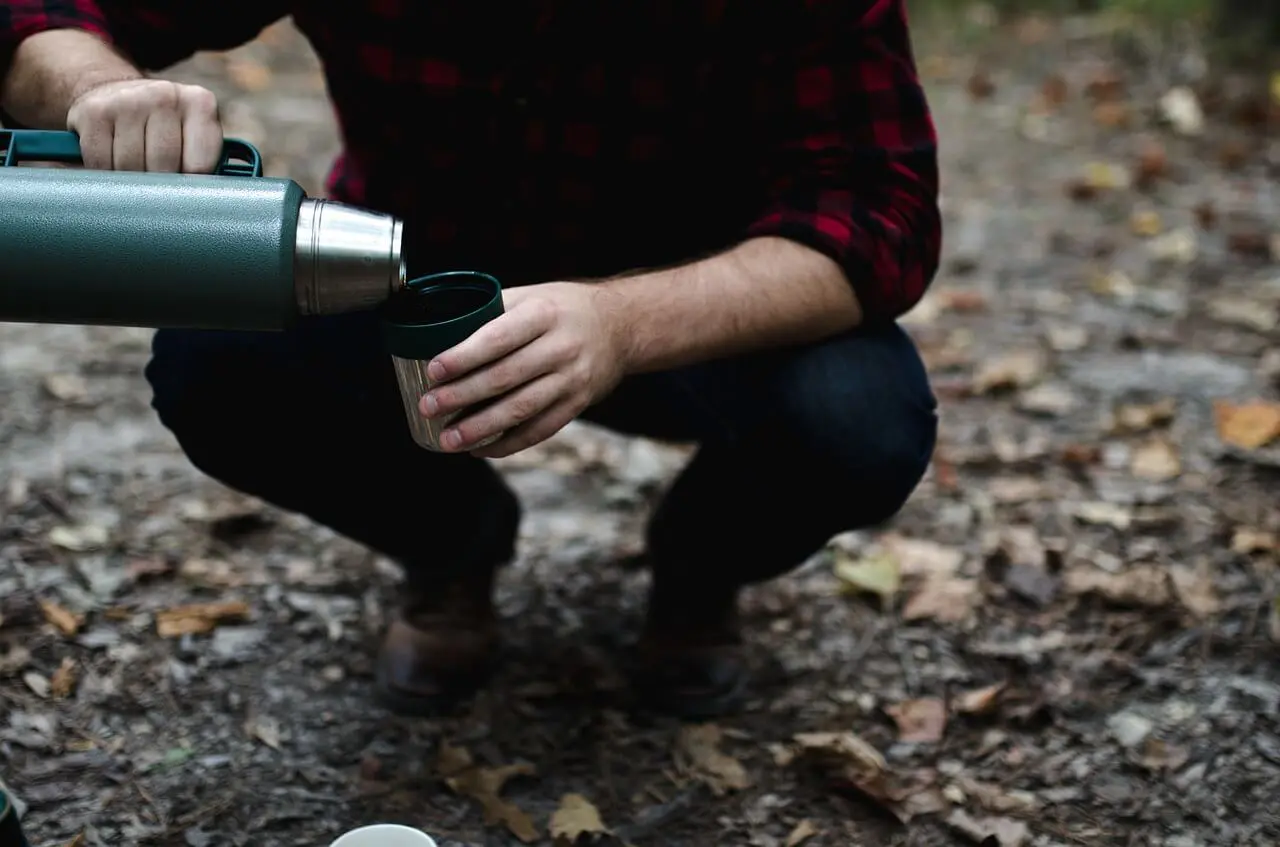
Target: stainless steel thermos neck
(230, 250)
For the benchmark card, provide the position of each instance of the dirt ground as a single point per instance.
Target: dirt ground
(1068, 637)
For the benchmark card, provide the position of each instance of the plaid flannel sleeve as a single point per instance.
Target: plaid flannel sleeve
(154, 34)
(850, 149)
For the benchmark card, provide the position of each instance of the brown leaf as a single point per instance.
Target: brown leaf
(945, 599)
(63, 682)
(994, 798)
(64, 621)
(1157, 460)
(484, 786)
(1194, 589)
(855, 764)
(989, 832)
(980, 85)
(922, 721)
(1146, 223)
(979, 701)
(575, 817)
(698, 755)
(198, 618)
(1018, 369)
(1247, 426)
(803, 832)
(1246, 540)
(1140, 417)
(1153, 163)
(918, 557)
(1157, 755)
(1140, 586)
(69, 388)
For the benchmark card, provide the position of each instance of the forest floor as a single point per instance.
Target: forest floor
(1069, 636)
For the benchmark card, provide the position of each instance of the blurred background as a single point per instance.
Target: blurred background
(1070, 636)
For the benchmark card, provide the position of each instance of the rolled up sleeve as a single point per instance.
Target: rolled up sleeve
(849, 150)
(153, 35)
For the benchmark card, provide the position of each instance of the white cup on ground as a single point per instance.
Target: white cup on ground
(385, 835)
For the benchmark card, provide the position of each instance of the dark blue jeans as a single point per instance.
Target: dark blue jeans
(795, 445)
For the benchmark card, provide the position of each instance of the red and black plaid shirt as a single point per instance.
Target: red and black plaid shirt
(552, 139)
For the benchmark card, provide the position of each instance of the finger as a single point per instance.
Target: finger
(523, 404)
(163, 142)
(128, 147)
(97, 138)
(532, 432)
(497, 338)
(511, 371)
(201, 131)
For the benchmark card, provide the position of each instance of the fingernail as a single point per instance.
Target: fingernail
(435, 370)
(451, 439)
(430, 405)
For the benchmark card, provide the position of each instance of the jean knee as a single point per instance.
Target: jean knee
(862, 404)
(202, 384)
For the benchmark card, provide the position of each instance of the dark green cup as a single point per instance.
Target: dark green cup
(428, 316)
(10, 828)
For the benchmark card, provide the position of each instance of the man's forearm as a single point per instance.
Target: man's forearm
(50, 69)
(766, 292)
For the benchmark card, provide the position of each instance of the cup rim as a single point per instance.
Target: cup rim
(451, 279)
(423, 838)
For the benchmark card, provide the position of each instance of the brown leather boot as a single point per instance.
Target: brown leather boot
(690, 657)
(441, 645)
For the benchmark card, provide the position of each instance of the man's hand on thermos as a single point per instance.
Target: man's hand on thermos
(147, 125)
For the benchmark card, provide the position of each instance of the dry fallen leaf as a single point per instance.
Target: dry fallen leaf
(69, 388)
(66, 622)
(989, 832)
(994, 798)
(198, 618)
(1140, 417)
(79, 539)
(1157, 460)
(1146, 223)
(875, 573)
(945, 599)
(853, 763)
(63, 681)
(803, 832)
(484, 786)
(921, 721)
(979, 701)
(1247, 312)
(1141, 586)
(1102, 513)
(698, 755)
(577, 816)
(1194, 589)
(1246, 540)
(1018, 369)
(1247, 426)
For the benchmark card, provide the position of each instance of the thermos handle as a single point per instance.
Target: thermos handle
(239, 158)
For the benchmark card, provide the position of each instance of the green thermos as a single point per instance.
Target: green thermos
(230, 250)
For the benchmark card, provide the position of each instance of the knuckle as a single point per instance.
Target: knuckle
(523, 408)
(200, 100)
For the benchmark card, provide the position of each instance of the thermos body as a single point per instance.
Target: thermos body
(218, 251)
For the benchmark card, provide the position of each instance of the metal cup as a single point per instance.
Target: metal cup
(427, 317)
(10, 828)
